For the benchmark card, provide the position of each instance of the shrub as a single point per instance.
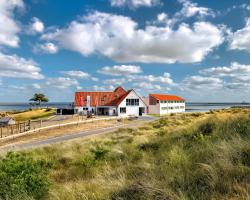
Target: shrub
(245, 157)
(22, 176)
(160, 123)
(206, 128)
(150, 146)
(99, 152)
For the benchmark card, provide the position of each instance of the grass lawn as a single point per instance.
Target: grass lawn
(196, 156)
(33, 114)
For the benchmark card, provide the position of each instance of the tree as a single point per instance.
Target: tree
(39, 98)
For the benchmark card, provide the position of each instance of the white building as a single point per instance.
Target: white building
(117, 103)
(162, 104)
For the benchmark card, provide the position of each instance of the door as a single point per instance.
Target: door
(141, 110)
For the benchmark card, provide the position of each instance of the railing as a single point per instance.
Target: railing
(19, 129)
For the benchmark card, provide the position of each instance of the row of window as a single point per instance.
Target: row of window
(172, 108)
(132, 102)
(172, 101)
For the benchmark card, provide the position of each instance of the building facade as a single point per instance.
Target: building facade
(162, 104)
(117, 103)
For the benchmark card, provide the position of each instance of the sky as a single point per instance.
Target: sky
(197, 49)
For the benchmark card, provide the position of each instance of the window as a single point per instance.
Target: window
(122, 109)
(132, 102)
(164, 108)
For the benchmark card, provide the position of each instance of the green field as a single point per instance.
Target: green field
(186, 156)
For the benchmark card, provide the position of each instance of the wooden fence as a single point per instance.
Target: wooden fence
(34, 126)
(15, 128)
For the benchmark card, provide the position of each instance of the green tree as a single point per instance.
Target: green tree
(38, 98)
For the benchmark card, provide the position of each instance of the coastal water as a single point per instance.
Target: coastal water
(25, 106)
(190, 107)
(203, 107)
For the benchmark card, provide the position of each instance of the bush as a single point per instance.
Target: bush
(160, 123)
(245, 157)
(206, 128)
(99, 152)
(22, 176)
(150, 146)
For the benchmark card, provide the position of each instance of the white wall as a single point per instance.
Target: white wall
(131, 110)
(158, 108)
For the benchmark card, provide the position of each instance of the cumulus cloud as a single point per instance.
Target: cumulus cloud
(234, 70)
(36, 26)
(115, 81)
(201, 82)
(240, 40)
(190, 9)
(147, 86)
(62, 83)
(164, 79)
(16, 67)
(134, 3)
(48, 48)
(9, 27)
(119, 38)
(120, 70)
(142, 82)
(237, 75)
(36, 86)
(77, 74)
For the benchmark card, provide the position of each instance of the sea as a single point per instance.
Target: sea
(190, 106)
(26, 106)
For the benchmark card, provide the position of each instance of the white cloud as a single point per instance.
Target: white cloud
(36, 86)
(147, 86)
(48, 47)
(161, 17)
(202, 82)
(120, 70)
(235, 69)
(190, 9)
(134, 3)
(36, 26)
(102, 88)
(240, 40)
(237, 75)
(164, 79)
(142, 82)
(118, 38)
(16, 67)
(9, 28)
(77, 74)
(115, 81)
(62, 82)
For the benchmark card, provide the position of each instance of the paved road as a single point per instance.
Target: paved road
(35, 144)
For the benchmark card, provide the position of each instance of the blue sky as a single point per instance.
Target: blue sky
(196, 49)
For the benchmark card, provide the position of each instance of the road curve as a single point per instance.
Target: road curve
(58, 139)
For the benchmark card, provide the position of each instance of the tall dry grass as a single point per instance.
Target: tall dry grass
(187, 156)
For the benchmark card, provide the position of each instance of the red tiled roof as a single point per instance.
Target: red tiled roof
(165, 97)
(101, 98)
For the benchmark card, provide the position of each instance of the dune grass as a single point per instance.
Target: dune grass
(186, 156)
(33, 114)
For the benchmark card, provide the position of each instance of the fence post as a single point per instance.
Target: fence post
(1, 132)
